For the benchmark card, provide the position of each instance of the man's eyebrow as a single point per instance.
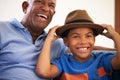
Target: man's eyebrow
(53, 3)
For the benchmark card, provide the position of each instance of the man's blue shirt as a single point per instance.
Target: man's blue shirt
(18, 53)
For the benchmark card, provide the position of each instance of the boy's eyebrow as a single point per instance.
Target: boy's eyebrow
(75, 33)
(90, 33)
(85, 33)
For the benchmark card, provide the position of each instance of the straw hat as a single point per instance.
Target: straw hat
(79, 18)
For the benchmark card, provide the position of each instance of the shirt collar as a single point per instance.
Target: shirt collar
(16, 23)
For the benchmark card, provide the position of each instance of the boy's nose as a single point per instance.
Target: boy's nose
(82, 41)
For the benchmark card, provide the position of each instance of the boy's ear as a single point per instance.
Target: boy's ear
(25, 5)
(66, 42)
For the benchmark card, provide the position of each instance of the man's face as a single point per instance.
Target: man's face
(38, 13)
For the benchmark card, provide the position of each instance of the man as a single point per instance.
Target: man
(21, 42)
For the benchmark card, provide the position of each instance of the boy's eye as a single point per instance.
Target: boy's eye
(89, 36)
(75, 36)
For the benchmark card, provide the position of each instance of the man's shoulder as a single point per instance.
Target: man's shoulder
(4, 23)
(4, 26)
(59, 41)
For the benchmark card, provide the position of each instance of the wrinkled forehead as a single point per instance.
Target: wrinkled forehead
(54, 1)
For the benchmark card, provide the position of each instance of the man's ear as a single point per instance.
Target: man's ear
(25, 5)
(66, 42)
(54, 12)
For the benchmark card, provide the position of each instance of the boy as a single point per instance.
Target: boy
(79, 34)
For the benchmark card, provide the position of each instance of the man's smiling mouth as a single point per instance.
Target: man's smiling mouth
(42, 15)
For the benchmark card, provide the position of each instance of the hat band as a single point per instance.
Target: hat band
(77, 21)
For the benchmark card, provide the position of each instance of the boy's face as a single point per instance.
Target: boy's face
(81, 43)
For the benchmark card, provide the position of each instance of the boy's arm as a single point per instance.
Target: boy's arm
(98, 48)
(103, 48)
(43, 67)
(116, 59)
(111, 33)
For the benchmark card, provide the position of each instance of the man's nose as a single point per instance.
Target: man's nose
(45, 7)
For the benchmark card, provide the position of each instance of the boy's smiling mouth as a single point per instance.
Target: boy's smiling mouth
(84, 49)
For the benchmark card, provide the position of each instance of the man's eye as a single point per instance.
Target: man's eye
(52, 6)
(39, 1)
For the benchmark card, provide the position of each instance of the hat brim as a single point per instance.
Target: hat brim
(98, 28)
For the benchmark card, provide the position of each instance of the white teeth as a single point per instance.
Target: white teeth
(82, 48)
(41, 15)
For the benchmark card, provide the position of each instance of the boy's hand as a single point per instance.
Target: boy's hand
(52, 35)
(110, 31)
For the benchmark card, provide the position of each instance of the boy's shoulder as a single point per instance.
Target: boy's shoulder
(103, 51)
(98, 54)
